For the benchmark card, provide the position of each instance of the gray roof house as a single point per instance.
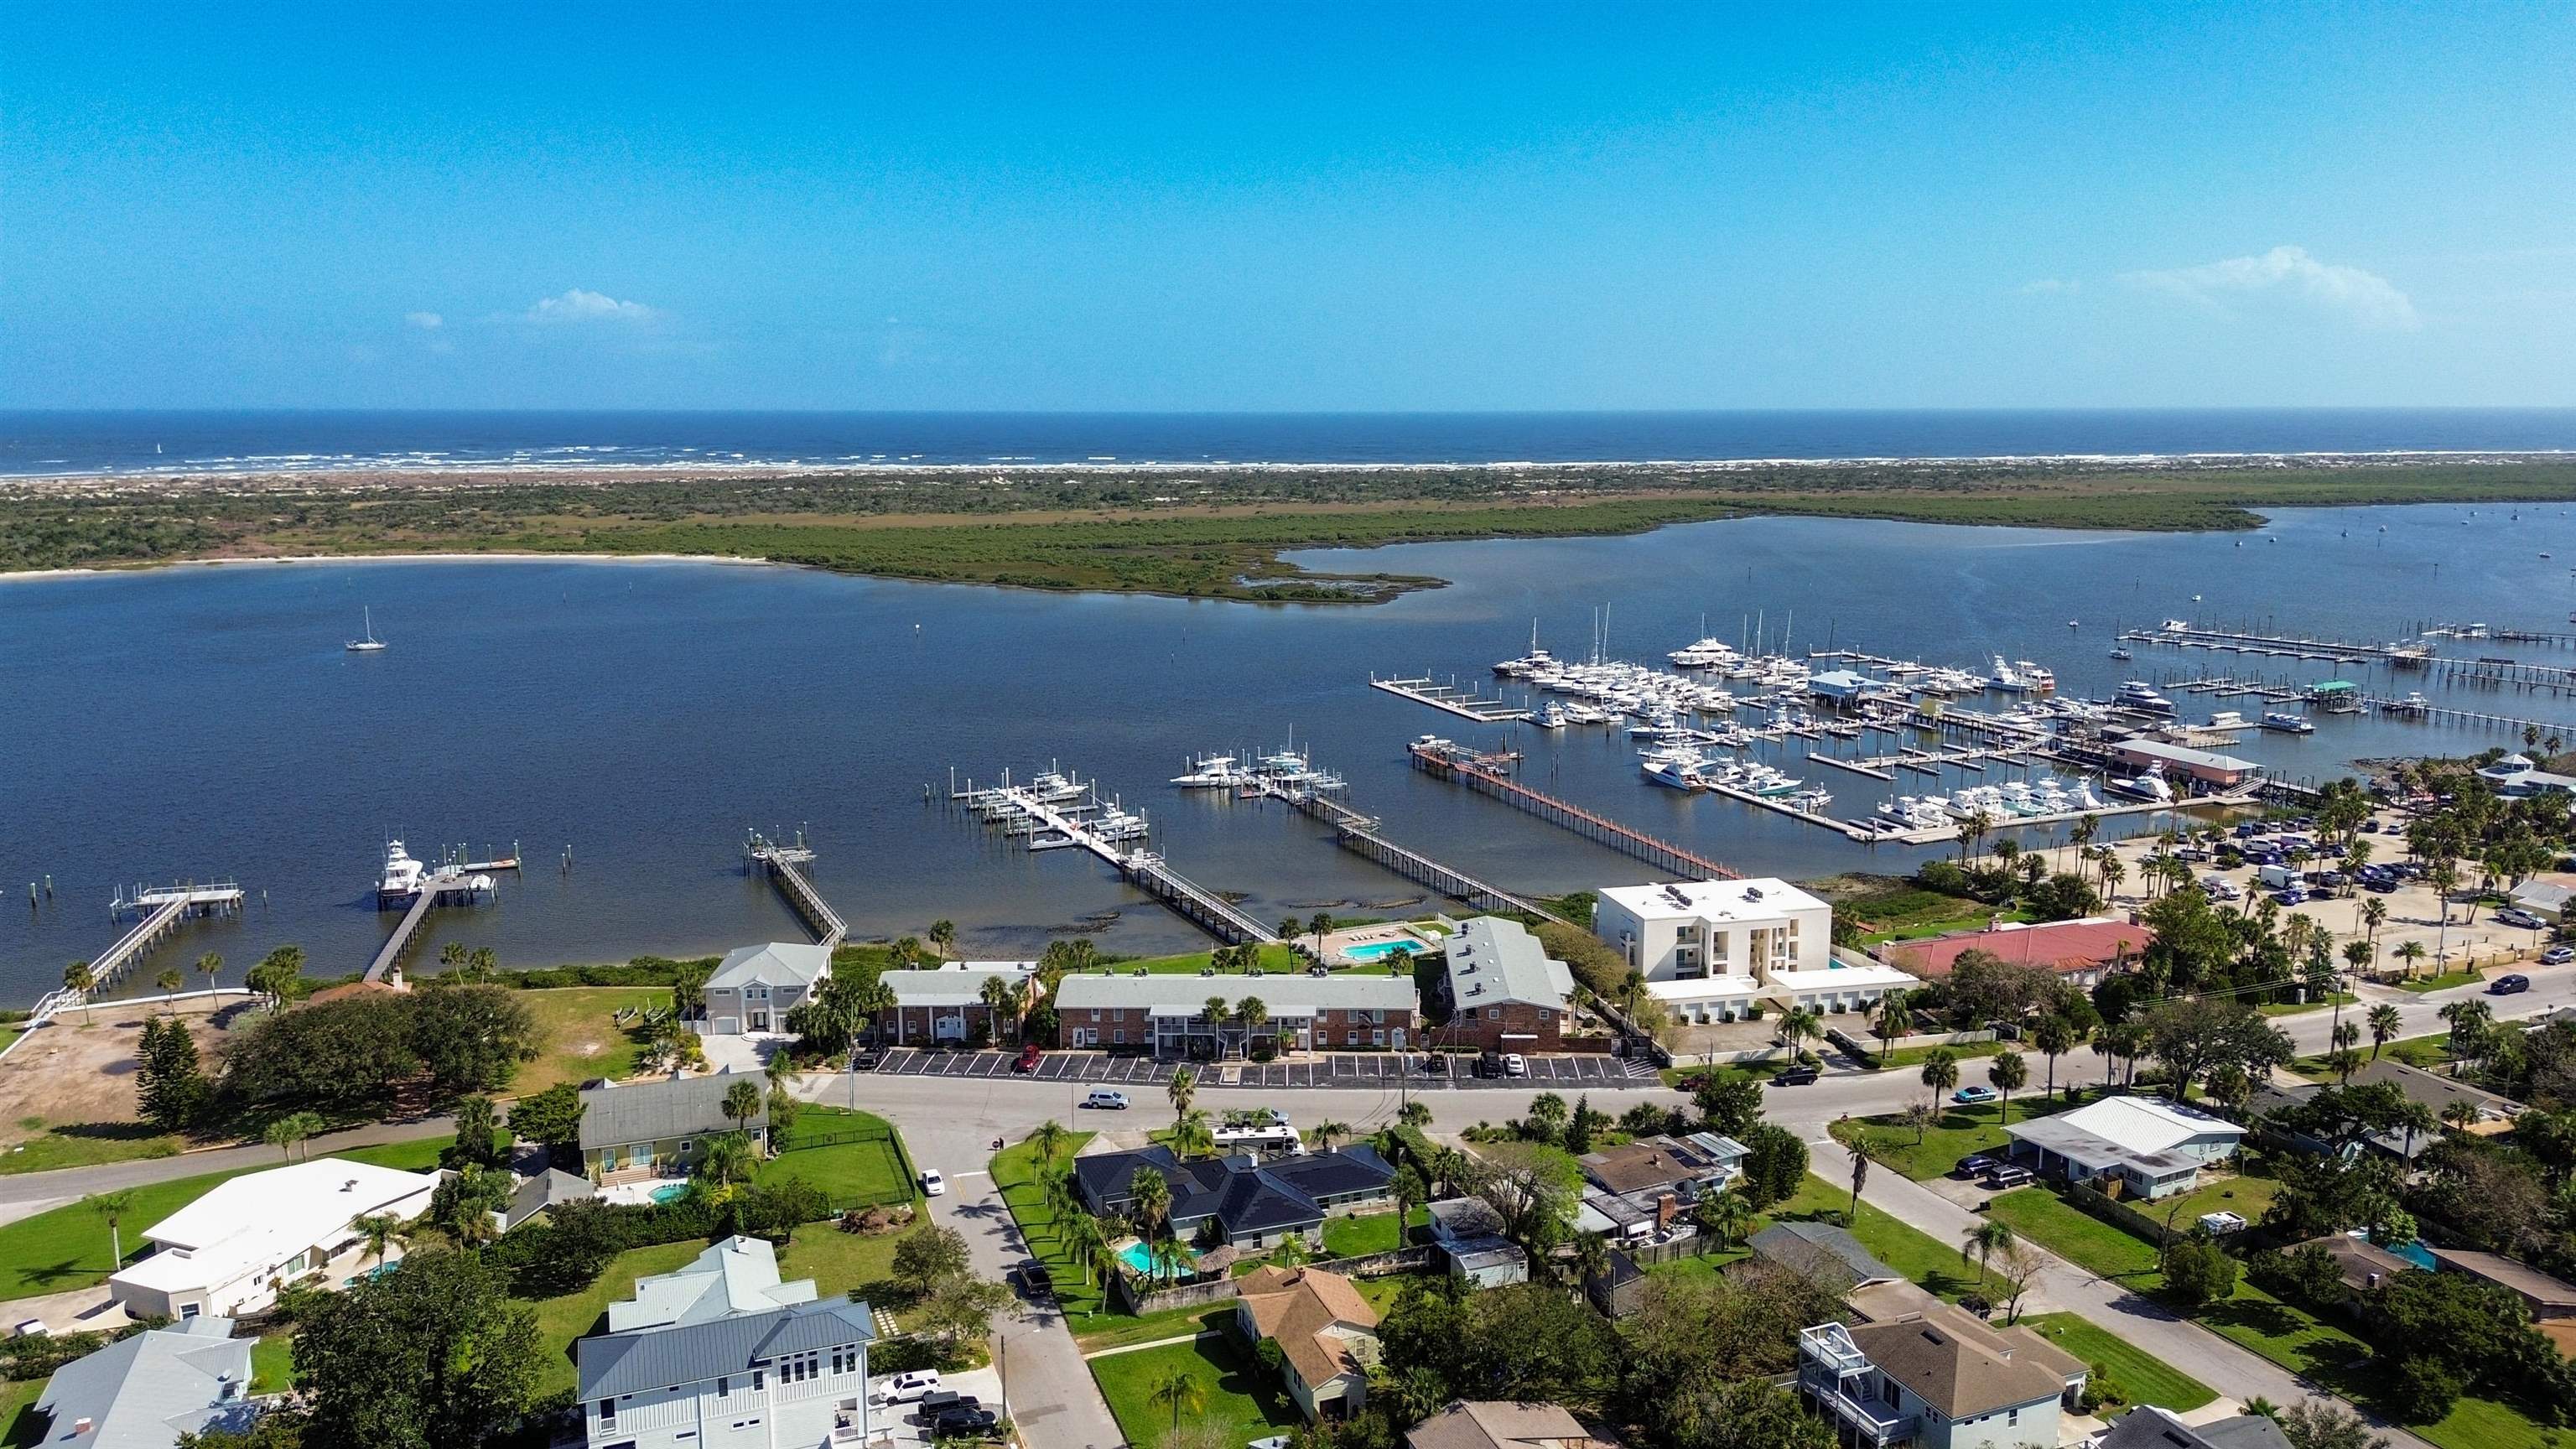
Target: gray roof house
(735, 1277)
(144, 1391)
(1824, 1253)
(1492, 960)
(548, 1189)
(2148, 1427)
(754, 987)
(657, 1125)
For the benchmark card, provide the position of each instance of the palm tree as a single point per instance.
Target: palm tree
(742, 1103)
(996, 996)
(1048, 1136)
(2054, 1036)
(1591, 1260)
(1726, 1216)
(379, 1231)
(2414, 1119)
(943, 937)
(451, 957)
(1892, 1019)
(1864, 1151)
(170, 980)
(1972, 831)
(2374, 914)
(80, 979)
(2113, 872)
(2009, 1072)
(1151, 1195)
(2384, 1026)
(111, 1208)
(1254, 1013)
(1632, 986)
(1182, 1392)
(2007, 850)
(1328, 1132)
(1940, 1073)
(287, 1132)
(2081, 833)
(724, 1159)
(1191, 1136)
(209, 966)
(1180, 1089)
(2410, 952)
(1319, 923)
(1079, 1233)
(1982, 1241)
(1416, 1113)
(2229, 1086)
(1289, 929)
(2460, 1116)
(1797, 1025)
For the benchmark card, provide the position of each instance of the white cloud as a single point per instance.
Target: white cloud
(578, 305)
(2366, 298)
(425, 321)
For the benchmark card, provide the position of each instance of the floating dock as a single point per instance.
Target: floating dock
(1059, 824)
(1463, 703)
(2177, 635)
(2444, 714)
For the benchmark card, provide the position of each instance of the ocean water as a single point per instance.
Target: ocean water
(93, 442)
(203, 722)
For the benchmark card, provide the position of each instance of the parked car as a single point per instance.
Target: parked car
(1489, 1064)
(904, 1388)
(2511, 984)
(1106, 1099)
(1972, 1095)
(932, 1184)
(1028, 1061)
(2383, 884)
(2558, 955)
(1034, 1280)
(1514, 1065)
(963, 1420)
(2517, 916)
(1795, 1076)
(2009, 1176)
(1435, 1064)
(2291, 897)
(1975, 1163)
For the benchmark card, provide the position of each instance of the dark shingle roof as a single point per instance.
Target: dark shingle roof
(1822, 1250)
(651, 1111)
(1242, 1195)
(628, 1363)
(2153, 1428)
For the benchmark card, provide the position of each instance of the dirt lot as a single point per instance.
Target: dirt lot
(78, 1072)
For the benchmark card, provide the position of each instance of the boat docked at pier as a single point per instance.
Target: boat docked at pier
(402, 876)
(2138, 695)
(2287, 723)
(1213, 772)
(2148, 784)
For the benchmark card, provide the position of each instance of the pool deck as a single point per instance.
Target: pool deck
(1348, 945)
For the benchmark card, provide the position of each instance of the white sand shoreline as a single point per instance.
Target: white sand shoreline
(393, 558)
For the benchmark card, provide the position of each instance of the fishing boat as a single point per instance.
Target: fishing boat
(2147, 784)
(2123, 652)
(368, 644)
(1549, 716)
(2141, 696)
(2005, 679)
(1674, 769)
(401, 878)
(2288, 723)
(1212, 772)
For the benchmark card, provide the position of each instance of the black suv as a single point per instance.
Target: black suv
(1489, 1064)
(964, 1420)
(1795, 1076)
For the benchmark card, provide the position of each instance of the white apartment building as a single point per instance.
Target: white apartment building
(1710, 949)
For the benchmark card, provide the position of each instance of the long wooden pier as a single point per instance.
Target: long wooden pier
(1448, 880)
(783, 865)
(160, 911)
(469, 879)
(1197, 904)
(2444, 714)
(2285, 646)
(1444, 761)
(1061, 826)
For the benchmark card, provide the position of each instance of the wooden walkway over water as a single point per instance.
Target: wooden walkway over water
(468, 879)
(159, 910)
(1451, 699)
(1062, 824)
(1447, 762)
(784, 865)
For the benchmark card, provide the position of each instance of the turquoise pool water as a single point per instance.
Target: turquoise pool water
(672, 1193)
(1174, 1262)
(1380, 950)
(2414, 1251)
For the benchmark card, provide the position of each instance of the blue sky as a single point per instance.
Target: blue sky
(1289, 207)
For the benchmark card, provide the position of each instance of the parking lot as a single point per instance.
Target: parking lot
(1375, 1070)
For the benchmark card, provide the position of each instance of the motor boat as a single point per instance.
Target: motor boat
(2005, 679)
(1212, 772)
(2123, 653)
(1549, 716)
(402, 875)
(2288, 723)
(2141, 696)
(1674, 769)
(2148, 784)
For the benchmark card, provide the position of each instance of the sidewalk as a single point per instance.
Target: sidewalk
(2230, 1370)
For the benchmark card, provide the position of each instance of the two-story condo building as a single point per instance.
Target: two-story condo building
(754, 987)
(722, 1356)
(947, 1007)
(1168, 1015)
(1711, 949)
(1938, 1380)
(1504, 992)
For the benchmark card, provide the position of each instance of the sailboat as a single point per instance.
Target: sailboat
(371, 643)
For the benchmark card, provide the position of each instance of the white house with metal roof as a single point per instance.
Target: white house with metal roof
(736, 1276)
(229, 1252)
(145, 1390)
(796, 1374)
(1710, 950)
(754, 987)
(2153, 1147)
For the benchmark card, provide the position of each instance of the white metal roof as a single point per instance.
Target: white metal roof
(946, 988)
(258, 1218)
(1284, 993)
(1492, 960)
(2136, 1125)
(1766, 899)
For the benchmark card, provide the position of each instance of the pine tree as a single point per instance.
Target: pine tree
(170, 1086)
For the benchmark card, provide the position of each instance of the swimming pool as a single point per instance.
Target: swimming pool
(2414, 1251)
(1174, 1262)
(670, 1193)
(1380, 950)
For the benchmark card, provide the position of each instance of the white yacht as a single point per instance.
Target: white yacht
(1052, 788)
(402, 877)
(2288, 723)
(1676, 769)
(1550, 716)
(1212, 772)
(2141, 696)
(2149, 784)
(2005, 679)
(369, 643)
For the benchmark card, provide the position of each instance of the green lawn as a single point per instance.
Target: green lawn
(1241, 1403)
(85, 1144)
(61, 1249)
(1015, 1172)
(2431, 1053)
(2293, 1008)
(1351, 1237)
(1958, 1132)
(2043, 1217)
(845, 1171)
(577, 1039)
(562, 1320)
(272, 1362)
(1911, 1058)
(20, 1425)
(1276, 959)
(2247, 1194)
(2443, 982)
(840, 1262)
(2137, 1378)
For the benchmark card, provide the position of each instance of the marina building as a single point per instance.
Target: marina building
(2180, 763)
(1503, 991)
(948, 1006)
(754, 987)
(1168, 1016)
(1710, 950)
(2515, 777)
(227, 1253)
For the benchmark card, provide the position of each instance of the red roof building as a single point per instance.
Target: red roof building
(2078, 950)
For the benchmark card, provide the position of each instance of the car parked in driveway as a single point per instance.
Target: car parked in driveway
(1975, 1163)
(2007, 1176)
(2511, 984)
(963, 1420)
(904, 1388)
(1972, 1096)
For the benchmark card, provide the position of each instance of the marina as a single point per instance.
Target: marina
(1480, 772)
(416, 889)
(2182, 634)
(1450, 699)
(1054, 811)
